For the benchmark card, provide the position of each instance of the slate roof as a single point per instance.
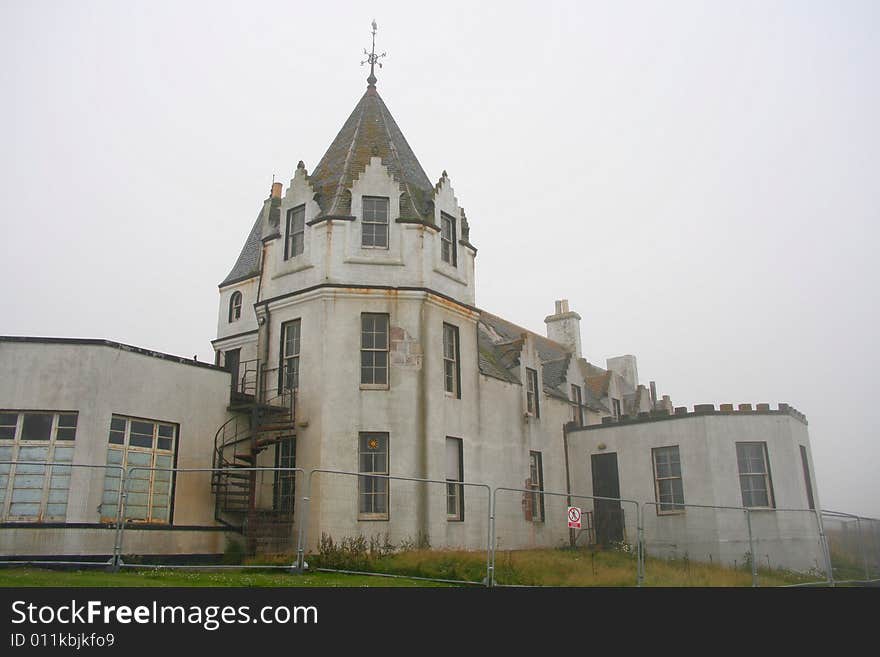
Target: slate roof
(371, 131)
(248, 263)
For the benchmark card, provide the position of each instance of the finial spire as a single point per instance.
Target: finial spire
(373, 59)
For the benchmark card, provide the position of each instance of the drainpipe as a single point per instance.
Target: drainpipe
(571, 532)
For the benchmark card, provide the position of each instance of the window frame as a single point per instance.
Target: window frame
(578, 408)
(292, 230)
(373, 385)
(452, 361)
(455, 491)
(677, 508)
(49, 474)
(156, 452)
(384, 224)
(768, 479)
(533, 405)
(536, 500)
(235, 302)
(285, 359)
(448, 250)
(364, 477)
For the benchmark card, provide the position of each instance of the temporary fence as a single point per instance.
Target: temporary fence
(454, 513)
(253, 510)
(35, 497)
(540, 519)
(854, 546)
(348, 521)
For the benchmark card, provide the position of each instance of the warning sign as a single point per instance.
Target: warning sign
(574, 517)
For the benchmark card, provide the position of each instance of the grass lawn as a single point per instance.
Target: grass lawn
(29, 577)
(549, 567)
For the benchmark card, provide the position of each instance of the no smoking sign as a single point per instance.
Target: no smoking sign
(574, 517)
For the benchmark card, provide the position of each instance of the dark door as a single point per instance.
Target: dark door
(233, 359)
(607, 514)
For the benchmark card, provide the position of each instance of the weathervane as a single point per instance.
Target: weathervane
(373, 58)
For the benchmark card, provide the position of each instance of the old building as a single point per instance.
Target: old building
(348, 339)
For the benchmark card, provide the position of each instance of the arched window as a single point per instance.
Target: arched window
(235, 307)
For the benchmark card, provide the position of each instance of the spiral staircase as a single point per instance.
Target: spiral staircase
(257, 504)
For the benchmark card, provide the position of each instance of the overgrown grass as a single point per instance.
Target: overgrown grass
(34, 577)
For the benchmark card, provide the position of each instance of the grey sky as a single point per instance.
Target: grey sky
(700, 179)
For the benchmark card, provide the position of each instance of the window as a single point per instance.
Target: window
(532, 392)
(615, 405)
(374, 350)
(807, 479)
(754, 475)
(454, 472)
(536, 483)
(375, 224)
(577, 411)
(451, 371)
(33, 492)
(668, 490)
(289, 371)
(285, 481)
(447, 239)
(136, 443)
(373, 491)
(234, 307)
(296, 226)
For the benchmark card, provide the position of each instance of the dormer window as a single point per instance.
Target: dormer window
(447, 239)
(235, 307)
(295, 235)
(375, 222)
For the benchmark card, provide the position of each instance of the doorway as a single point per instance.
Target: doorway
(607, 514)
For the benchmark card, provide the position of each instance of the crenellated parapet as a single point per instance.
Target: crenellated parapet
(702, 410)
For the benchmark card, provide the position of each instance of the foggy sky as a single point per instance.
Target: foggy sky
(699, 179)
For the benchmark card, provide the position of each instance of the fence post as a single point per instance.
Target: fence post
(752, 555)
(490, 547)
(493, 508)
(862, 547)
(640, 549)
(121, 497)
(304, 518)
(826, 552)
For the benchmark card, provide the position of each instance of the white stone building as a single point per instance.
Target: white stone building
(350, 328)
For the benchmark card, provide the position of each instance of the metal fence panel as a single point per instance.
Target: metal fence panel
(533, 544)
(39, 498)
(380, 523)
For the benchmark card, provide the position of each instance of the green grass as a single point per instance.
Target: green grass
(547, 567)
(32, 577)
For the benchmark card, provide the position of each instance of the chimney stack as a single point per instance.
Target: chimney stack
(564, 327)
(276, 190)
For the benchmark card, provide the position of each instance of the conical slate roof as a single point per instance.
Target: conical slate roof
(370, 131)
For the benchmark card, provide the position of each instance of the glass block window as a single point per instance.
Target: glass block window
(29, 490)
(140, 443)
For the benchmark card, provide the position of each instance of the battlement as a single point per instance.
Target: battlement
(699, 410)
